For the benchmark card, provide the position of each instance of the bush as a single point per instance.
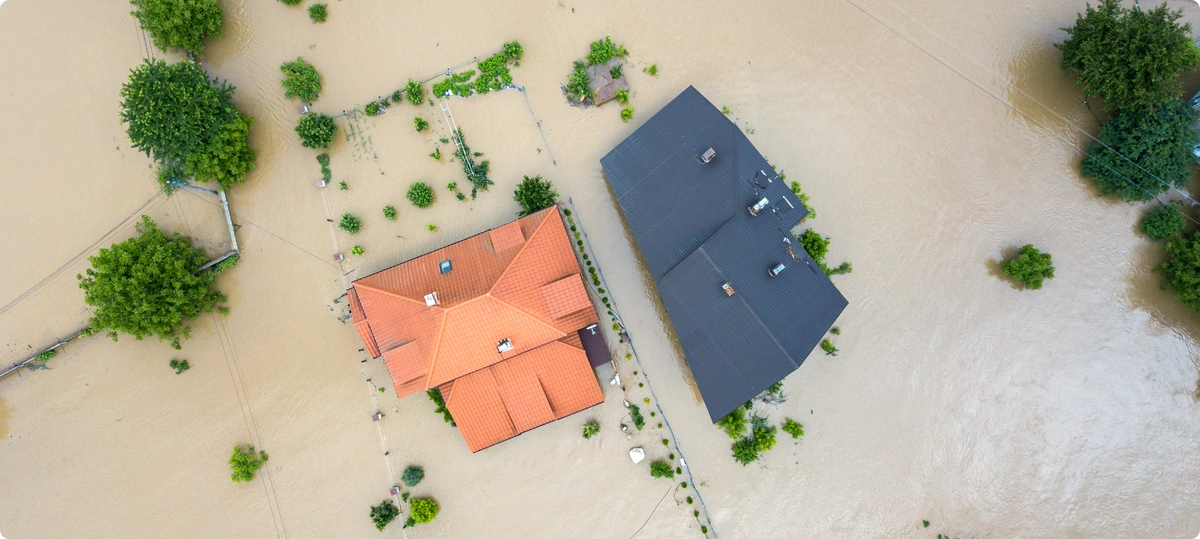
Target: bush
(300, 79)
(397, 96)
(350, 223)
(389, 212)
(148, 285)
(318, 12)
(431, 227)
(636, 414)
(179, 366)
(435, 395)
(604, 50)
(1181, 271)
(653, 69)
(660, 468)
(1030, 267)
(615, 72)
(744, 451)
(227, 157)
(626, 114)
(384, 513)
(45, 356)
(534, 195)
(793, 427)
(420, 194)
(423, 510)
(577, 84)
(1129, 57)
(245, 463)
(804, 199)
(420, 124)
(291, 2)
(436, 153)
(734, 423)
(323, 160)
(513, 50)
(316, 130)
(1150, 152)
(372, 109)
(179, 24)
(1163, 223)
(817, 246)
(357, 250)
(477, 174)
(829, 348)
(591, 428)
(623, 96)
(412, 476)
(414, 92)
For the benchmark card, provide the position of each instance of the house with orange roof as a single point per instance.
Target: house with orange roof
(497, 322)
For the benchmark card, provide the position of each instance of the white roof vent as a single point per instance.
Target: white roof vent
(775, 270)
(758, 206)
(431, 299)
(504, 346)
(708, 155)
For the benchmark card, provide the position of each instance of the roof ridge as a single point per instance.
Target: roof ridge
(503, 404)
(521, 251)
(437, 345)
(526, 313)
(390, 293)
(753, 313)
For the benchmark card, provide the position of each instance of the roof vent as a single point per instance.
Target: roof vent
(762, 179)
(775, 270)
(708, 155)
(728, 288)
(758, 206)
(504, 346)
(445, 267)
(780, 207)
(792, 252)
(431, 299)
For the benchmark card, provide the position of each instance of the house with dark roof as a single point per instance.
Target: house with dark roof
(713, 223)
(497, 322)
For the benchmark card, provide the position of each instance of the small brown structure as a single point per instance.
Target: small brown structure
(601, 82)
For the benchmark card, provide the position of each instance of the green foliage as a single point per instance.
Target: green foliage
(45, 356)
(725, 110)
(804, 199)
(423, 510)
(227, 157)
(817, 246)
(591, 428)
(493, 73)
(412, 475)
(1130, 57)
(744, 451)
(734, 423)
(513, 50)
(147, 285)
(1159, 144)
(435, 395)
(357, 250)
(653, 69)
(420, 194)
(636, 414)
(1181, 272)
(615, 72)
(761, 439)
(389, 212)
(623, 96)
(534, 195)
(925, 523)
(660, 468)
(604, 50)
(477, 174)
(291, 2)
(577, 84)
(835, 330)
(1030, 267)
(179, 365)
(343, 186)
(350, 223)
(245, 463)
(436, 153)
(420, 124)
(316, 130)
(383, 514)
(398, 96)
(829, 348)
(458, 84)
(776, 388)
(318, 12)
(223, 265)
(91, 330)
(764, 438)
(431, 227)
(372, 109)
(793, 427)
(414, 92)
(179, 24)
(1163, 223)
(460, 196)
(323, 160)
(626, 114)
(173, 109)
(300, 79)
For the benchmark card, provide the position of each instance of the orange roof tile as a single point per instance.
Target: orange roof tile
(565, 296)
(506, 237)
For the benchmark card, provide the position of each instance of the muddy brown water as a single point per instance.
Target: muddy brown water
(956, 398)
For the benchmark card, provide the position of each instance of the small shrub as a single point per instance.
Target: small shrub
(318, 12)
(357, 250)
(397, 96)
(389, 212)
(591, 428)
(412, 476)
(43, 357)
(1163, 223)
(436, 154)
(626, 114)
(615, 72)
(1030, 267)
(323, 159)
(829, 348)
(460, 196)
(420, 194)
(372, 109)
(350, 223)
(300, 79)
(452, 186)
(604, 50)
(535, 194)
(414, 92)
(689, 500)
(776, 388)
(291, 2)
(925, 523)
(734, 423)
(793, 427)
(420, 124)
(245, 463)
(636, 414)
(683, 484)
(623, 96)
(660, 468)
(316, 130)
(179, 365)
(513, 50)
(343, 186)
(384, 513)
(744, 451)
(653, 69)
(577, 84)
(431, 227)
(835, 330)
(423, 510)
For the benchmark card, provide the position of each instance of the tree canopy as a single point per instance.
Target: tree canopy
(1129, 57)
(316, 130)
(423, 510)
(172, 109)
(179, 24)
(245, 463)
(1181, 272)
(1030, 267)
(1163, 223)
(227, 157)
(384, 513)
(300, 79)
(148, 285)
(1159, 144)
(535, 194)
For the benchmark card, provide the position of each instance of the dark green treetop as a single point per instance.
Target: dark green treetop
(535, 194)
(1147, 152)
(179, 24)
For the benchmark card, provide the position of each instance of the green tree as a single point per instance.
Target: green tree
(412, 476)
(318, 12)
(316, 130)
(1129, 57)
(350, 223)
(661, 469)
(734, 423)
(1142, 153)
(420, 194)
(173, 109)
(300, 79)
(1163, 223)
(389, 212)
(591, 428)
(179, 24)
(1030, 267)
(535, 194)
(744, 451)
(148, 285)
(414, 92)
(245, 463)
(227, 157)
(1181, 271)
(423, 510)
(383, 514)
(435, 395)
(793, 427)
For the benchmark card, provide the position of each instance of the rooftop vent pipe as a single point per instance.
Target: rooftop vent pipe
(775, 270)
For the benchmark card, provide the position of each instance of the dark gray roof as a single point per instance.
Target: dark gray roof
(693, 227)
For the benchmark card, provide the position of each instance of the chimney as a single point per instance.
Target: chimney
(504, 345)
(758, 206)
(431, 299)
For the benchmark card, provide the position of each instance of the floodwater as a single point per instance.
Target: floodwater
(934, 137)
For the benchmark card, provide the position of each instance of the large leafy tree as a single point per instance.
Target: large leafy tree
(1143, 153)
(300, 79)
(148, 285)
(1129, 57)
(172, 109)
(1181, 272)
(316, 130)
(1031, 267)
(535, 194)
(227, 158)
(179, 24)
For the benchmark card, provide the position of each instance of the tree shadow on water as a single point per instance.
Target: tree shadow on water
(1145, 292)
(995, 267)
(1046, 97)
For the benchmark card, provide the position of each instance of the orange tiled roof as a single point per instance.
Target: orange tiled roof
(519, 282)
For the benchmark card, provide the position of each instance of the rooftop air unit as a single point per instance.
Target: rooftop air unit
(775, 270)
(504, 346)
(708, 155)
(758, 206)
(431, 299)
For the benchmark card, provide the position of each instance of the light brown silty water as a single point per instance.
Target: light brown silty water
(956, 398)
